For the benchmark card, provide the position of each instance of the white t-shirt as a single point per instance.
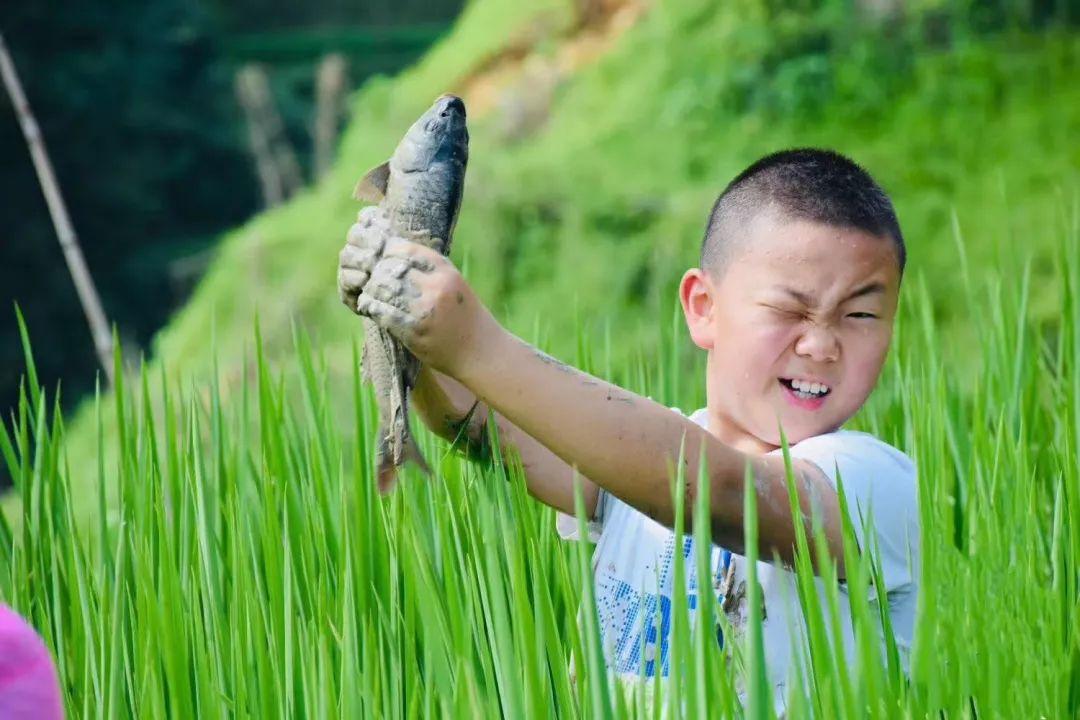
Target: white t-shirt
(633, 563)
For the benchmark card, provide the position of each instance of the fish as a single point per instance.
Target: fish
(419, 191)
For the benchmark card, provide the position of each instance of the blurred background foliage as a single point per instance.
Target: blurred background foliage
(602, 131)
(136, 104)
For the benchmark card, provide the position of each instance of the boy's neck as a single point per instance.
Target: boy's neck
(729, 433)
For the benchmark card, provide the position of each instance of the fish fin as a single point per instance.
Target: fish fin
(372, 187)
(387, 478)
(385, 470)
(412, 452)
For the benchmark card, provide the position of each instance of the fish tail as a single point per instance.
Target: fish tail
(386, 470)
(412, 452)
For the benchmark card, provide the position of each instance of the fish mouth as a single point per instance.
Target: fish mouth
(447, 123)
(448, 104)
(446, 117)
(440, 135)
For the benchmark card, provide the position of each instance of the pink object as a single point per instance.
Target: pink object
(28, 684)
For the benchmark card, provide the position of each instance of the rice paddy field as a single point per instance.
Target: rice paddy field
(251, 570)
(205, 540)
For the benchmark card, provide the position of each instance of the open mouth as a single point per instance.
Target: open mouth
(804, 389)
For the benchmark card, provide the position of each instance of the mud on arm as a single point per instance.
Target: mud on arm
(447, 408)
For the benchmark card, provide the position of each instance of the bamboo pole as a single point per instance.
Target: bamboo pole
(273, 190)
(329, 90)
(69, 242)
(275, 160)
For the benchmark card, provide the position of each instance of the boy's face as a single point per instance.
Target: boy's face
(797, 303)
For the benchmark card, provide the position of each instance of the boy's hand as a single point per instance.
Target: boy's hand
(443, 401)
(363, 247)
(421, 299)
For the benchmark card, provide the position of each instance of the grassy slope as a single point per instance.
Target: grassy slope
(602, 209)
(628, 168)
(608, 201)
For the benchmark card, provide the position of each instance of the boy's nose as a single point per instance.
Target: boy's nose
(818, 343)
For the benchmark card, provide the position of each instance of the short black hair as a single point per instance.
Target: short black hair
(804, 184)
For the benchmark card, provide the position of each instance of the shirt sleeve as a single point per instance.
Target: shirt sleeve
(879, 487)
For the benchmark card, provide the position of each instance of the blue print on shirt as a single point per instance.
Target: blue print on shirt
(629, 616)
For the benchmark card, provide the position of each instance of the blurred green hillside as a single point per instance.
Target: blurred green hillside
(582, 217)
(602, 207)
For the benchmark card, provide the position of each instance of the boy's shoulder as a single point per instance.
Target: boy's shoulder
(849, 443)
(879, 483)
(862, 460)
(854, 444)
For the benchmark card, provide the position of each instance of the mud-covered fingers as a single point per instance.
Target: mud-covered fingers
(398, 266)
(359, 258)
(385, 315)
(350, 279)
(392, 287)
(366, 236)
(417, 236)
(396, 294)
(419, 256)
(345, 292)
(348, 299)
(421, 264)
(370, 215)
(355, 265)
(350, 284)
(390, 270)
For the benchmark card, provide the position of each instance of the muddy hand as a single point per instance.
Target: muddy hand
(363, 248)
(420, 298)
(393, 296)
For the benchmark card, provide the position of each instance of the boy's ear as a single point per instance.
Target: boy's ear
(697, 295)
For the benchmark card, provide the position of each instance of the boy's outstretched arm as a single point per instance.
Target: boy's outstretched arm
(447, 408)
(629, 446)
(625, 443)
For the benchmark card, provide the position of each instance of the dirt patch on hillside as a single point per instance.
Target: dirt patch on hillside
(518, 83)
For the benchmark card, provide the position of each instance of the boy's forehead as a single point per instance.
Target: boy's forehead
(779, 249)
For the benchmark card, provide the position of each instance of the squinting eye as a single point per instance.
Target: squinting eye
(861, 315)
(785, 313)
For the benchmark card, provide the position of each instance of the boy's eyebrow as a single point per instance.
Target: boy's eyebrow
(800, 296)
(868, 289)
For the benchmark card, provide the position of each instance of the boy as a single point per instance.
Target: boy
(794, 303)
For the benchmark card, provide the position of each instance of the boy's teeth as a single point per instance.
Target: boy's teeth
(809, 388)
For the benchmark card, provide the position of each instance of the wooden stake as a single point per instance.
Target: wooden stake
(69, 243)
(275, 160)
(330, 86)
(272, 190)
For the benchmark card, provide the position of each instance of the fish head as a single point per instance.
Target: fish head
(440, 135)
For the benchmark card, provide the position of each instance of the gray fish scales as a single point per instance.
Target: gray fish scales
(418, 191)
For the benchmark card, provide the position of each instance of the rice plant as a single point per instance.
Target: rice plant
(241, 564)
